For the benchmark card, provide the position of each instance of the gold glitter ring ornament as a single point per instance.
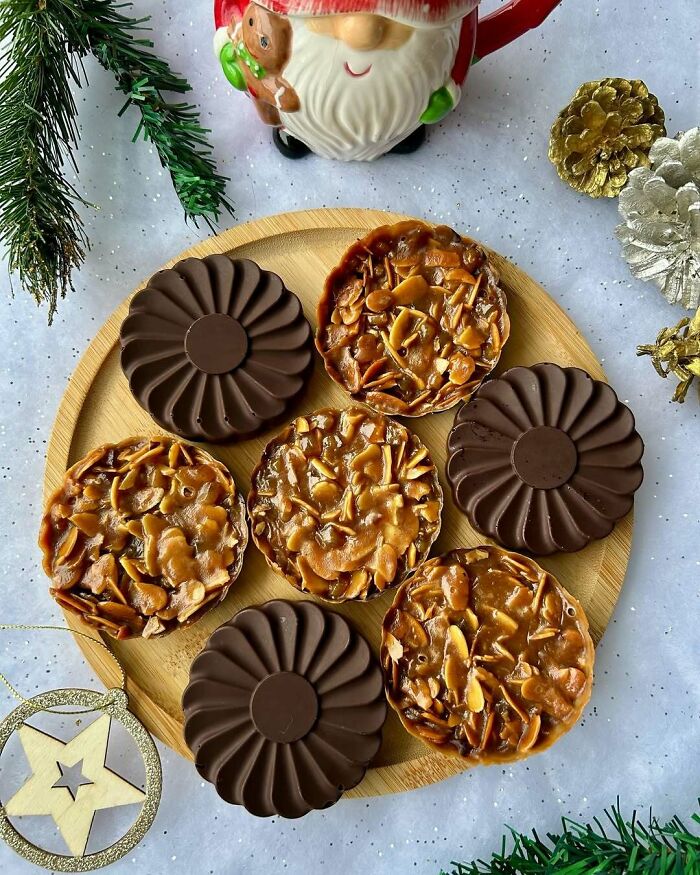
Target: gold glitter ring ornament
(118, 791)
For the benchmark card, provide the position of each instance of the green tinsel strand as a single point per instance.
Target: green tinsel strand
(43, 45)
(618, 847)
(39, 223)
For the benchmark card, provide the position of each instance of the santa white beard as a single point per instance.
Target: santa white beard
(359, 119)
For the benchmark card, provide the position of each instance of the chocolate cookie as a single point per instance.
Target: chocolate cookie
(216, 349)
(544, 459)
(284, 709)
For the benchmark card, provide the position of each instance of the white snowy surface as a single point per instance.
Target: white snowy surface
(485, 171)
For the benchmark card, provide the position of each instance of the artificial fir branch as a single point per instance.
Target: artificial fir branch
(173, 128)
(617, 847)
(43, 44)
(39, 223)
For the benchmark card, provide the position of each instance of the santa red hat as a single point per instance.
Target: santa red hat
(416, 12)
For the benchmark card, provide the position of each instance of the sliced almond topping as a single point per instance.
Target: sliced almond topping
(475, 695)
(408, 291)
(417, 457)
(154, 626)
(459, 642)
(471, 619)
(67, 546)
(346, 530)
(412, 555)
(532, 731)
(393, 351)
(373, 370)
(295, 540)
(459, 275)
(114, 493)
(323, 468)
(147, 598)
(488, 728)
(325, 492)
(474, 292)
(571, 680)
(388, 403)
(88, 523)
(146, 452)
(453, 672)
(388, 271)
(456, 316)
(130, 567)
(400, 328)
(128, 481)
(359, 584)
(387, 476)
(437, 736)
(295, 499)
(173, 454)
(87, 463)
(503, 651)
(521, 712)
(429, 511)
(394, 647)
(541, 634)
(371, 453)
(309, 579)
(418, 471)
(379, 301)
(537, 600)
(506, 622)
(495, 339)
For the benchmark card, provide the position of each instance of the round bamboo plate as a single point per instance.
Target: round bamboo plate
(97, 407)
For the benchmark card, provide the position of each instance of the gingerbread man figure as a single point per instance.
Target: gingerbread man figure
(260, 47)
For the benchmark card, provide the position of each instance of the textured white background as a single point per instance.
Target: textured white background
(484, 170)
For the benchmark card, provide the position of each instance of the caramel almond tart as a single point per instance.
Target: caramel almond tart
(486, 656)
(412, 319)
(144, 536)
(344, 504)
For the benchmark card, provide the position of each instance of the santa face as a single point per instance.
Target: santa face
(363, 81)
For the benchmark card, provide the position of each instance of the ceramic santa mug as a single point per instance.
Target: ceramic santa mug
(353, 79)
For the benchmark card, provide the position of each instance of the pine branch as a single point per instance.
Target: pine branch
(619, 846)
(42, 46)
(39, 223)
(173, 128)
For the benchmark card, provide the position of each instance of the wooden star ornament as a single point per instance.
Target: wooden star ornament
(71, 795)
(70, 780)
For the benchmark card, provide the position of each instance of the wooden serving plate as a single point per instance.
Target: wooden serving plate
(97, 407)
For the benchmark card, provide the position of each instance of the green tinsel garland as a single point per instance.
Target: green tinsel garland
(42, 47)
(618, 847)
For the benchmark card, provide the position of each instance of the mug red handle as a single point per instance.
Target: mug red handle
(509, 22)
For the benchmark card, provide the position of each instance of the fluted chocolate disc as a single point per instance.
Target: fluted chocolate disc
(544, 459)
(284, 709)
(216, 349)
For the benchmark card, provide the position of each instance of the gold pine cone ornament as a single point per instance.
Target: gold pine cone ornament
(604, 133)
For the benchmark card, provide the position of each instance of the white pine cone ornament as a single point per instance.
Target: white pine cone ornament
(660, 206)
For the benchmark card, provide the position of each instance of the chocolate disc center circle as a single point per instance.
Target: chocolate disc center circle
(284, 706)
(544, 457)
(216, 343)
